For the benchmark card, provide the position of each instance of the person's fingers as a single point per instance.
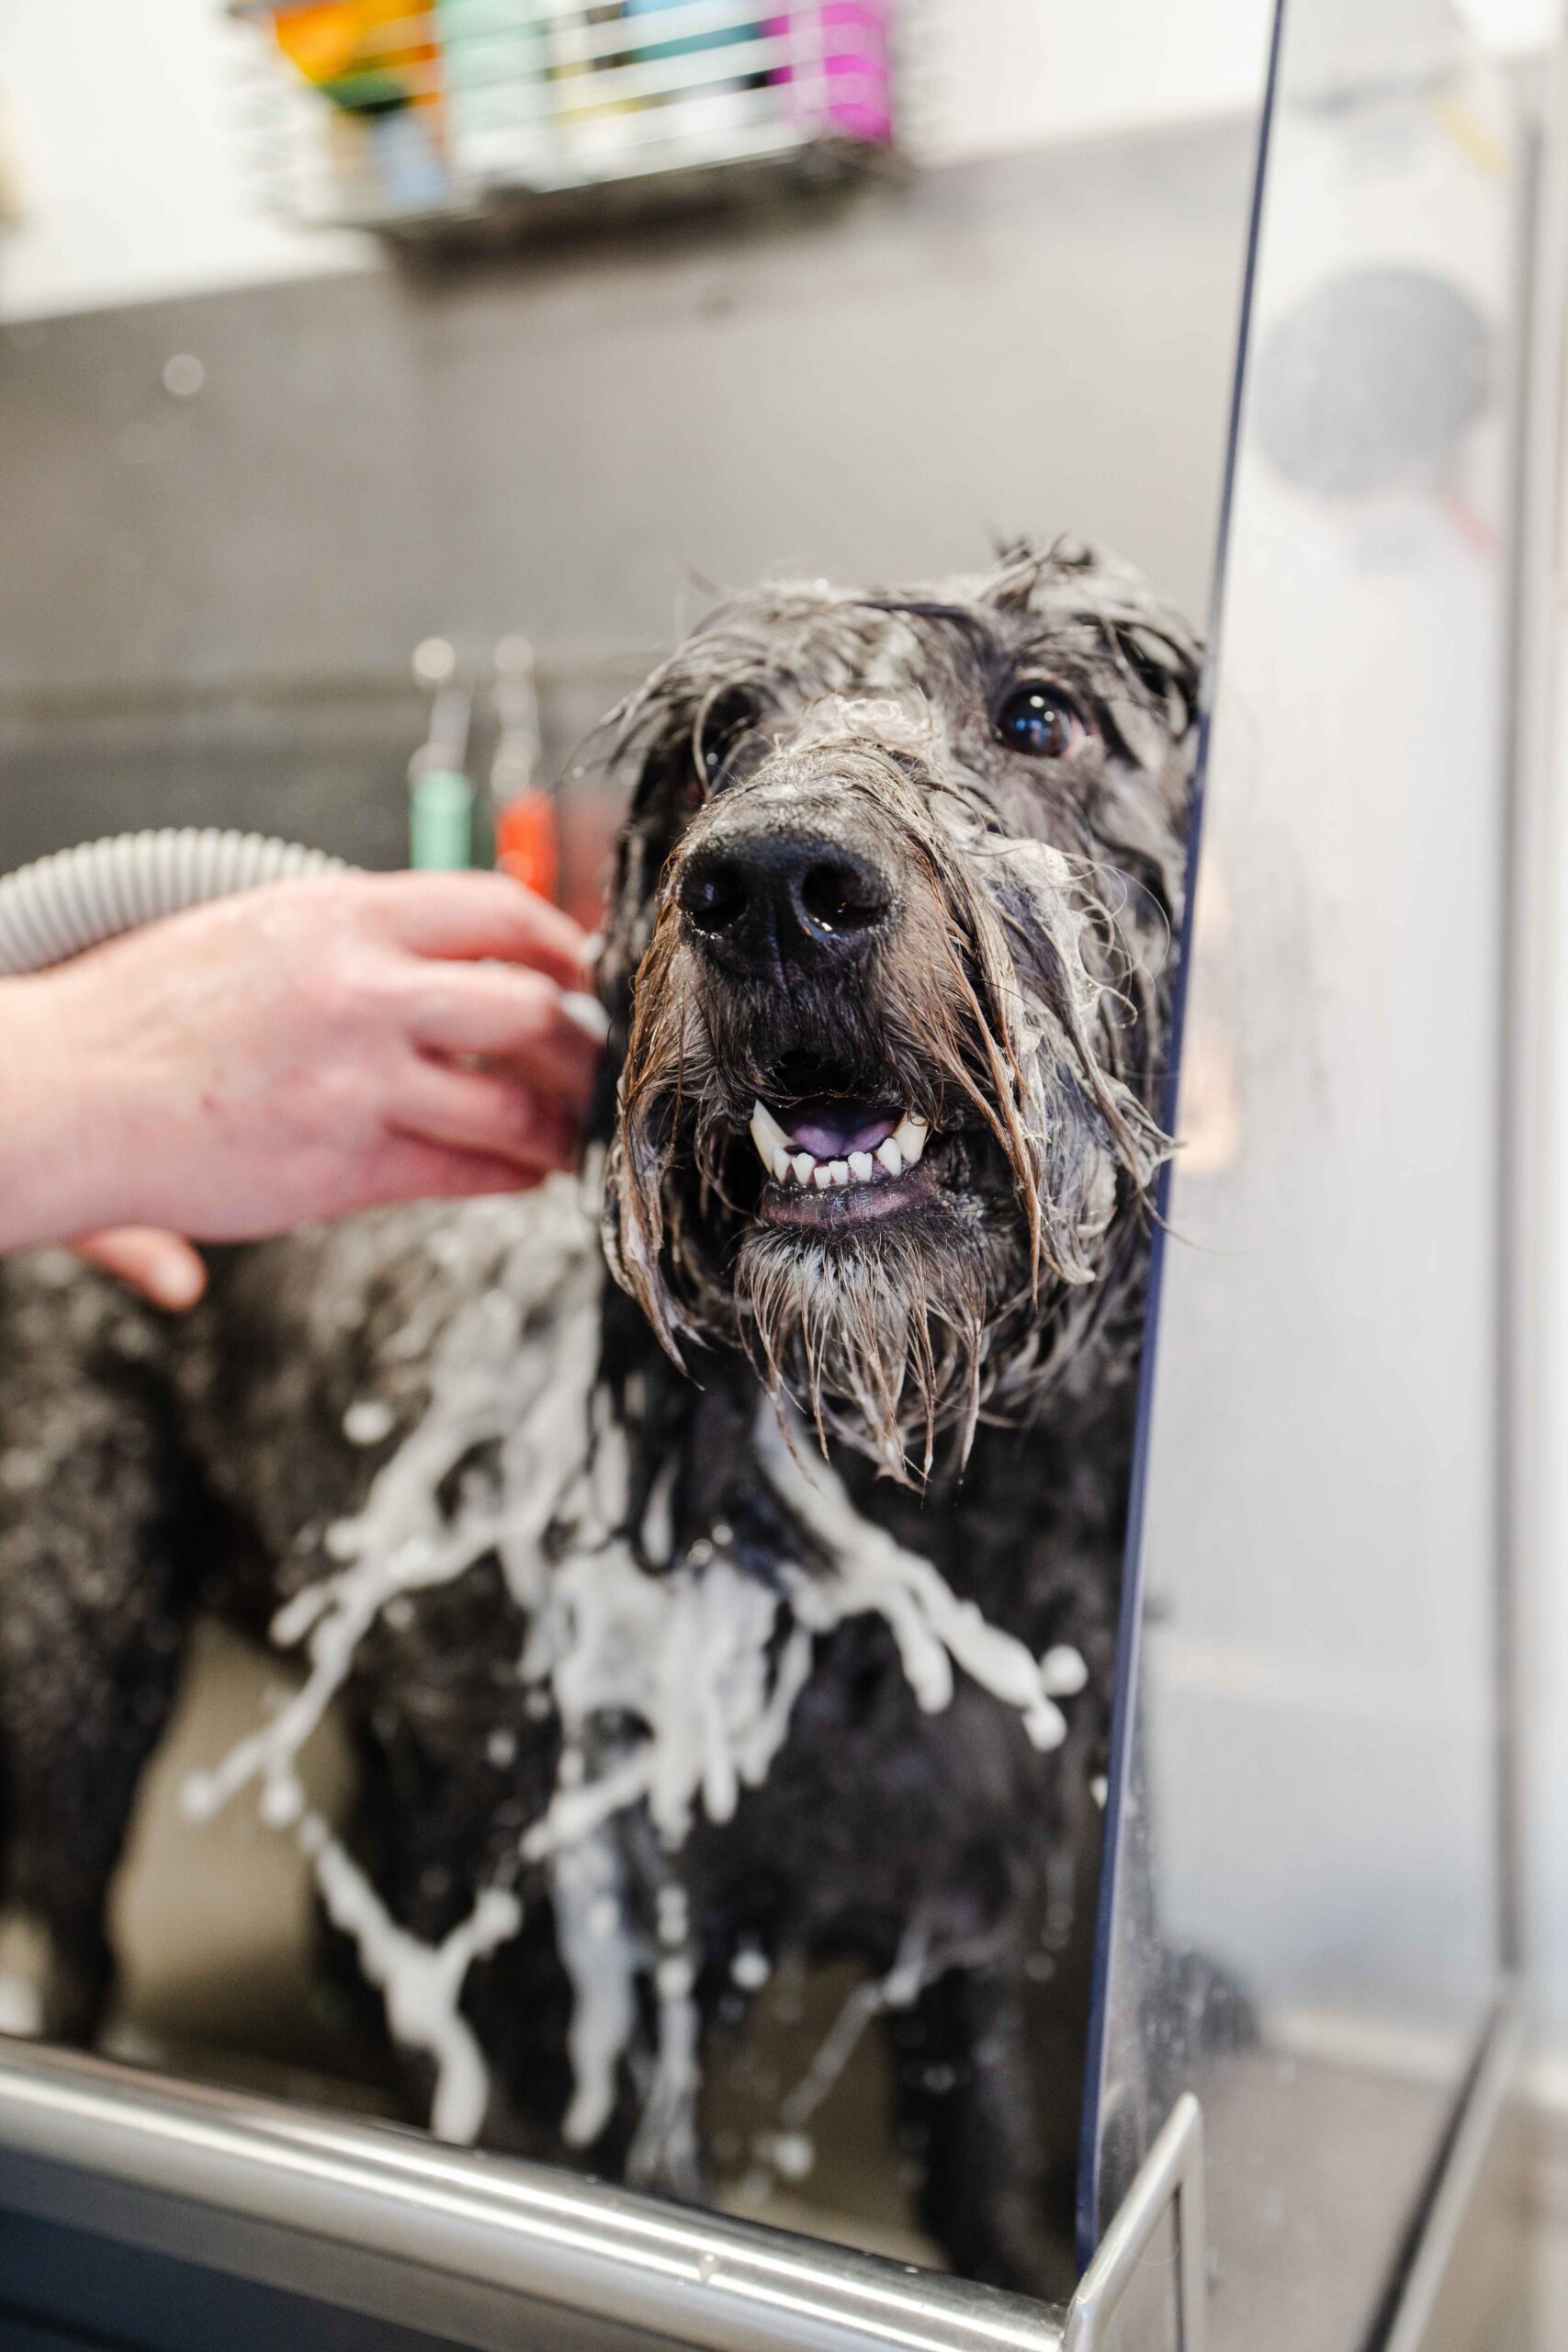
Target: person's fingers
(412, 1171)
(484, 1112)
(161, 1266)
(519, 1018)
(471, 915)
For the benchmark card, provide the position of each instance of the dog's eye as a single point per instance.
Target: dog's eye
(1042, 721)
(727, 718)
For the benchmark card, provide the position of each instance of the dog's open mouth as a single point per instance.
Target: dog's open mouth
(833, 1159)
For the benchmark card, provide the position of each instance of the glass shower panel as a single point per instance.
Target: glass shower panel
(1305, 1923)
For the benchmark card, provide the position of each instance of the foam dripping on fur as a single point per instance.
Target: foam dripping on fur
(933, 1628)
(711, 1661)
(421, 1984)
(675, 1683)
(603, 1961)
(685, 1654)
(486, 1385)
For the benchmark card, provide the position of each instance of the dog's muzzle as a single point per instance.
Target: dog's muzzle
(781, 898)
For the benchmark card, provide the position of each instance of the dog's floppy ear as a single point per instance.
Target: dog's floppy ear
(670, 738)
(655, 752)
(653, 749)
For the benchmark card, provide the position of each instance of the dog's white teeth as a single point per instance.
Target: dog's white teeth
(766, 1134)
(787, 1165)
(909, 1136)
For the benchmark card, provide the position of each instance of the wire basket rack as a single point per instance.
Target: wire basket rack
(365, 113)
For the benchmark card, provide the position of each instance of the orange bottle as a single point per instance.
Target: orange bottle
(366, 55)
(527, 842)
(527, 830)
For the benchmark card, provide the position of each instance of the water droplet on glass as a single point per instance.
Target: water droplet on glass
(184, 376)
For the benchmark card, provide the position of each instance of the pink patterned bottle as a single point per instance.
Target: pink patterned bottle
(840, 73)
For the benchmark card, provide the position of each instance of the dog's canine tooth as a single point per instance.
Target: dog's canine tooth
(892, 1158)
(838, 1171)
(909, 1136)
(781, 1165)
(766, 1134)
(822, 1175)
(861, 1164)
(803, 1165)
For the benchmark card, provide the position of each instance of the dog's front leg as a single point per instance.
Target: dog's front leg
(967, 2111)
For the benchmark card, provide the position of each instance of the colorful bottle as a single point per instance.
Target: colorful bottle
(495, 71)
(702, 103)
(683, 46)
(527, 836)
(376, 62)
(840, 75)
(441, 798)
(441, 820)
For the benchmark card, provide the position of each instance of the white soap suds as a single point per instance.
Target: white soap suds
(674, 1683)
(664, 2152)
(602, 1957)
(934, 1630)
(488, 1386)
(368, 1422)
(422, 1984)
(686, 1654)
(791, 2153)
(710, 1661)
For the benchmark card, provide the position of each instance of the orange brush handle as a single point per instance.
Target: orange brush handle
(527, 843)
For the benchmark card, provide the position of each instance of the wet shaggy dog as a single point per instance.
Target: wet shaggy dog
(759, 1604)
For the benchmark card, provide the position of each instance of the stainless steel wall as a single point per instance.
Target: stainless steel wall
(207, 604)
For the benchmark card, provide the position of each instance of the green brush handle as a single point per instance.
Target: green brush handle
(441, 822)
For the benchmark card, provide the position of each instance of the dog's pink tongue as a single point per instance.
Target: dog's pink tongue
(832, 1129)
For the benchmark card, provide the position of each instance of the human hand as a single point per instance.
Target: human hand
(161, 1266)
(290, 1054)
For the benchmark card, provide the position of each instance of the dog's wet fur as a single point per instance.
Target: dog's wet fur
(888, 856)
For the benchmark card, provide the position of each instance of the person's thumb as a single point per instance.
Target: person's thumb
(161, 1266)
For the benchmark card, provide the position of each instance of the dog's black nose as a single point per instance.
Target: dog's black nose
(772, 898)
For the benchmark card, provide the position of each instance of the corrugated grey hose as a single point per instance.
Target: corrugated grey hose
(57, 907)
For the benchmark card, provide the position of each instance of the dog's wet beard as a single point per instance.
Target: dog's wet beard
(882, 1344)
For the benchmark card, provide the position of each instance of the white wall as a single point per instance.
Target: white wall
(125, 118)
(1009, 74)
